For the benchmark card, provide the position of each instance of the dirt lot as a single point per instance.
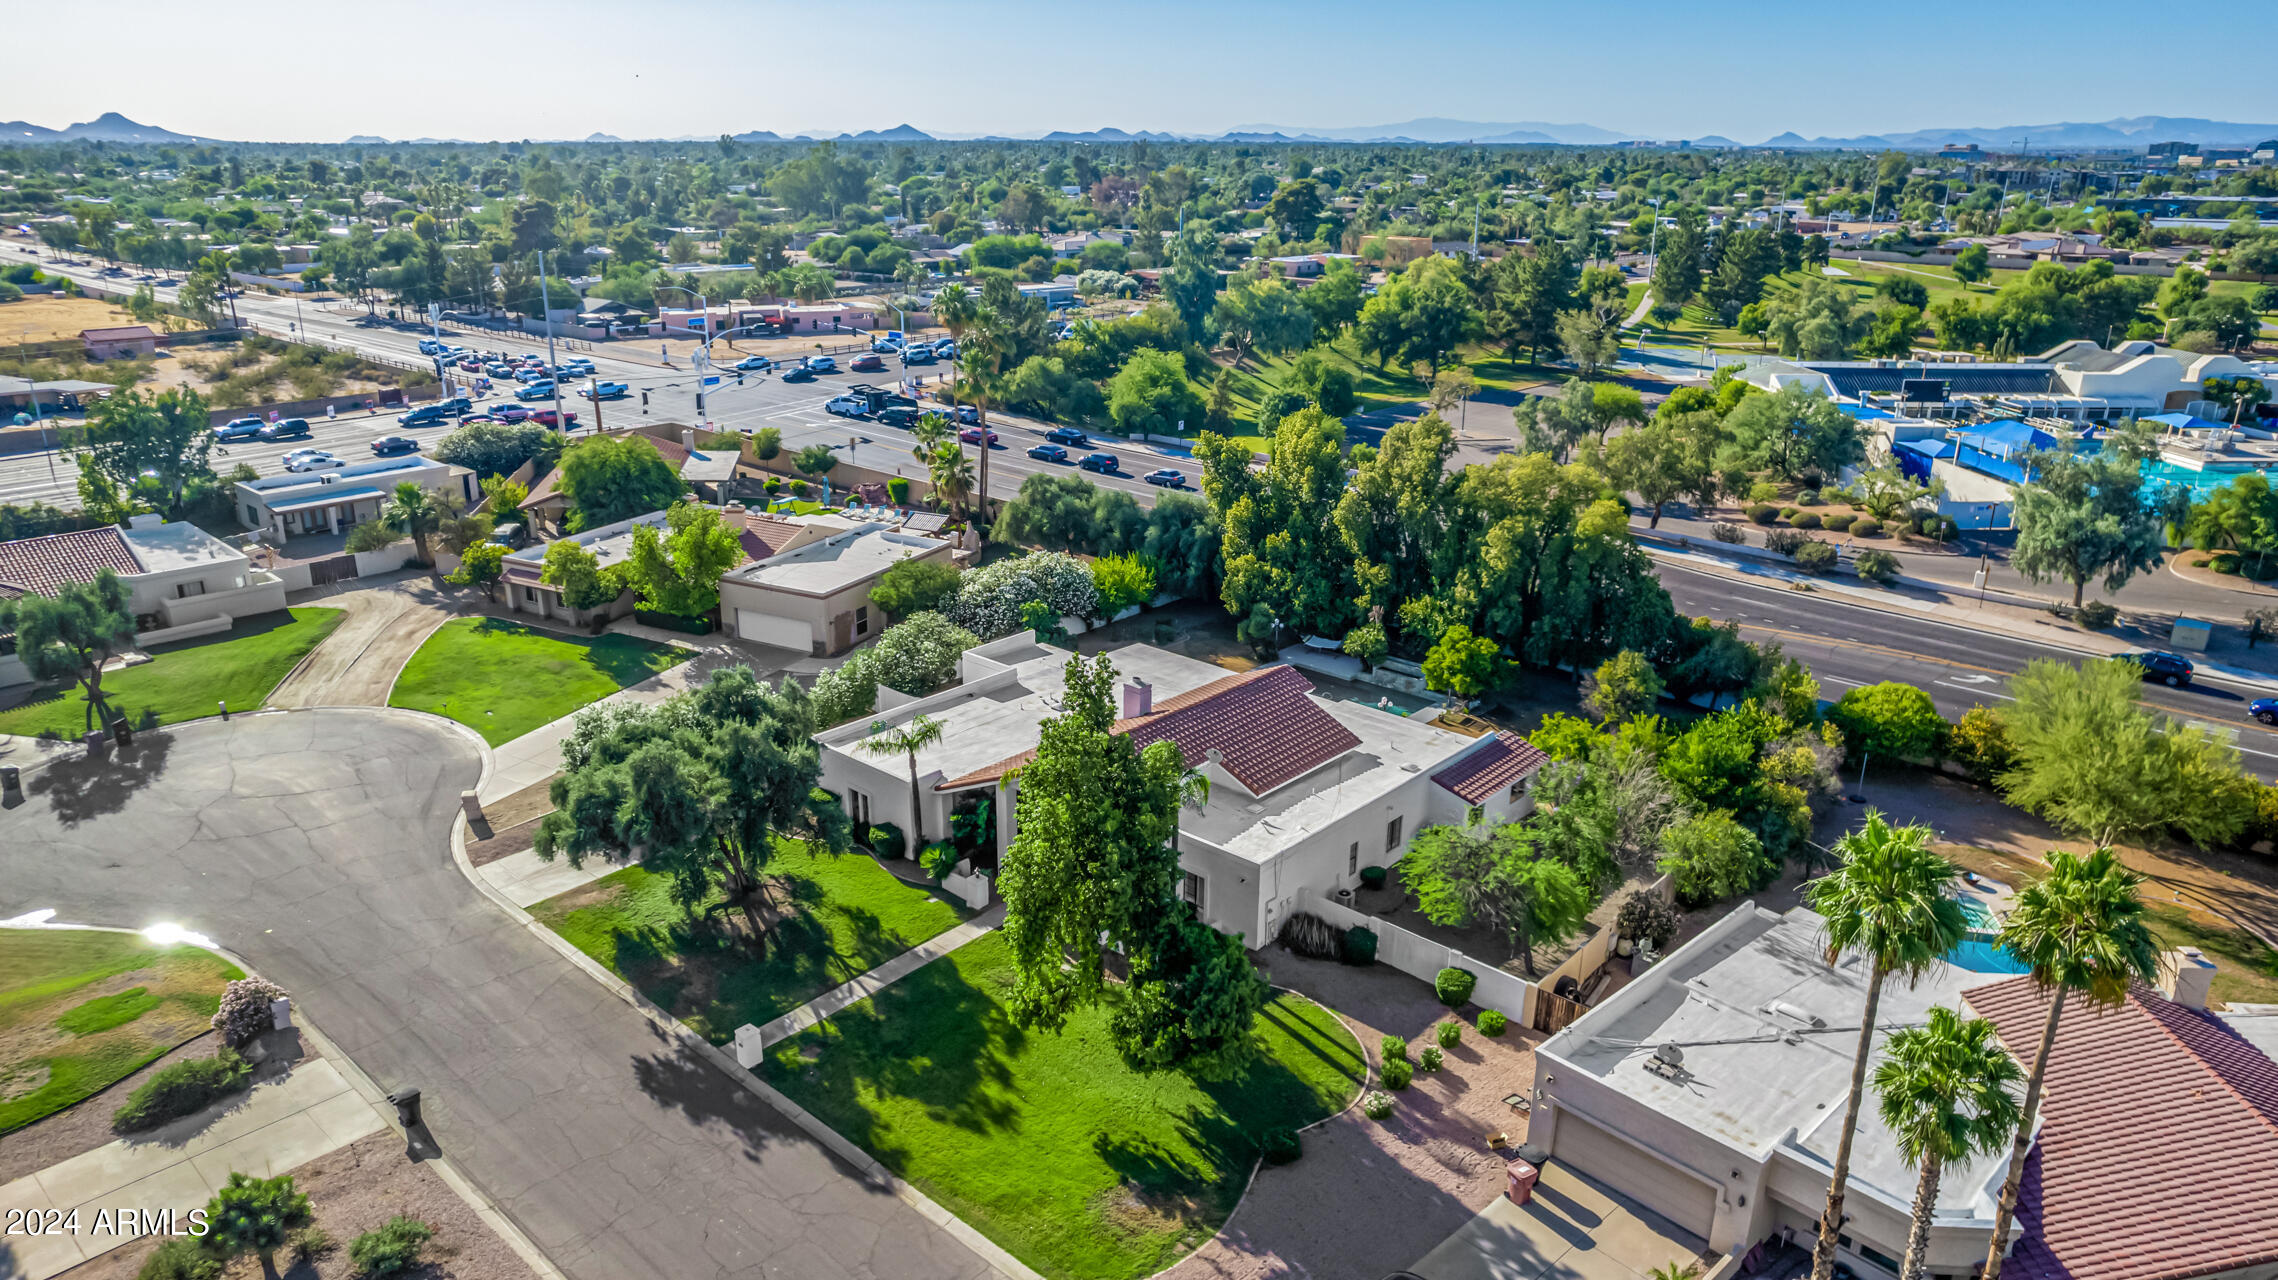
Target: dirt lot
(53, 318)
(353, 1190)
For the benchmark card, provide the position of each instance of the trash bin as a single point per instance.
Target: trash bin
(1519, 1180)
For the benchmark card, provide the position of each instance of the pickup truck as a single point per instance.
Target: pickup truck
(606, 391)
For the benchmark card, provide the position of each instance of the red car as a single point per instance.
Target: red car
(972, 435)
(545, 418)
(868, 364)
(471, 364)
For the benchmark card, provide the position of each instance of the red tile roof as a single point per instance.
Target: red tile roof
(1266, 731)
(1492, 767)
(765, 535)
(2158, 1152)
(46, 563)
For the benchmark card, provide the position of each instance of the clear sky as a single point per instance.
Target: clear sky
(484, 69)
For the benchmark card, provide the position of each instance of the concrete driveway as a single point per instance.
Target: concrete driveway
(1573, 1229)
(356, 666)
(315, 844)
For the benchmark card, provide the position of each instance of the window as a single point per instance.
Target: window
(857, 805)
(1191, 891)
(862, 620)
(184, 590)
(1519, 788)
(529, 595)
(1352, 859)
(1392, 833)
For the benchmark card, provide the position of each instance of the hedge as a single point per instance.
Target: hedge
(182, 1089)
(887, 840)
(1763, 513)
(1360, 945)
(1841, 521)
(676, 622)
(1867, 527)
(1492, 1022)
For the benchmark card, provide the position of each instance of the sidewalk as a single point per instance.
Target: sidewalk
(277, 1126)
(865, 985)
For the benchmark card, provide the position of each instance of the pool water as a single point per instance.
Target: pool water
(2159, 472)
(1983, 957)
(1979, 915)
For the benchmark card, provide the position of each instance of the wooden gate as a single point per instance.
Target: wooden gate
(334, 569)
(1553, 1011)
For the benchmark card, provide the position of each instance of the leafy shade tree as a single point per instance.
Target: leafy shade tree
(496, 448)
(2098, 765)
(1886, 902)
(612, 478)
(2240, 517)
(2081, 930)
(2084, 516)
(1150, 395)
(480, 566)
(1257, 312)
(1817, 320)
(1391, 513)
(578, 574)
(1285, 559)
(1420, 316)
(677, 571)
(1945, 1090)
(256, 1216)
(1461, 665)
(906, 740)
(1123, 582)
(705, 784)
(1888, 721)
(1793, 430)
(1092, 867)
(1623, 688)
(1710, 857)
(1528, 293)
(1500, 879)
(1973, 265)
(152, 448)
(916, 586)
(67, 638)
(1664, 460)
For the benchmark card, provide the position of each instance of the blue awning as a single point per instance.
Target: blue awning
(2183, 422)
(2004, 439)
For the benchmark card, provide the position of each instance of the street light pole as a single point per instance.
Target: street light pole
(553, 371)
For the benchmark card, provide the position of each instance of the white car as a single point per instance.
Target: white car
(298, 454)
(847, 407)
(315, 460)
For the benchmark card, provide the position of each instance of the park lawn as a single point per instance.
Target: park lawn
(186, 680)
(83, 1009)
(503, 679)
(1046, 1142)
(854, 915)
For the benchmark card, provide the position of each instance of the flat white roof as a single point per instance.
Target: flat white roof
(836, 563)
(162, 548)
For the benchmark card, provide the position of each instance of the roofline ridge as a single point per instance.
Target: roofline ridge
(2199, 1060)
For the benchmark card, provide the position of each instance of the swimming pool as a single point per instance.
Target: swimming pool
(1983, 957)
(1979, 915)
(2159, 473)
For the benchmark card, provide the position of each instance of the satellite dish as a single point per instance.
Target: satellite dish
(1670, 1055)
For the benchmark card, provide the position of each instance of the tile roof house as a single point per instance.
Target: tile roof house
(46, 563)
(1306, 788)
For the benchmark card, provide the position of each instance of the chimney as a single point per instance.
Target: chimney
(2184, 976)
(688, 439)
(1138, 698)
(733, 508)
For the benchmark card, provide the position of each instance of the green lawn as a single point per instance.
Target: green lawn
(184, 681)
(1046, 1142)
(82, 1010)
(853, 916)
(2246, 971)
(503, 679)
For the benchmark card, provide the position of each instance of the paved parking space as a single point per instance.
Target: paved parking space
(1573, 1229)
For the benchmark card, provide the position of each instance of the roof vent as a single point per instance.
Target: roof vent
(1796, 1013)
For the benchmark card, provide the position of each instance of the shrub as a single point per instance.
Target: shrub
(1879, 566)
(1891, 719)
(1372, 877)
(2223, 562)
(1376, 1106)
(1806, 520)
(1397, 1074)
(256, 1216)
(1787, 513)
(989, 599)
(1644, 916)
(244, 1014)
(2096, 615)
(1946, 530)
(1725, 531)
(1430, 1059)
(1492, 1022)
(182, 1089)
(1282, 1146)
(392, 1249)
(887, 840)
(1394, 1048)
(1784, 541)
(1360, 945)
(1448, 1033)
(765, 444)
(313, 1243)
(1923, 522)
(180, 1259)
(1841, 521)
(1453, 986)
(938, 858)
(1815, 556)
(898, 490)
(1763, 491)
(1763, 513)
(1309, 935)
(1867, 527)
(1979, 742)
(1807, 497)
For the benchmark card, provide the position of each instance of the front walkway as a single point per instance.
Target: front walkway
(273, 1128)
(1572, 1229)
(870, 982)
(537, 755)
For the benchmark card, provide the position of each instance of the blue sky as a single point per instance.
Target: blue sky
(1666, 68)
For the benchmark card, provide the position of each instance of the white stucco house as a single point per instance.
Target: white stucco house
(293, 504)
(1306, 789)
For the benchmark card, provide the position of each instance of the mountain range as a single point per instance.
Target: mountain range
(2126, 133)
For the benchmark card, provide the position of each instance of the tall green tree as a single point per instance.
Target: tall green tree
(2084, 516)
(2240, 517)
(1285, 557)
(1258, 312)
(1528, 293)
(906, 740)
(1393, 512)
(1817, 320)
(1887, 903)
(1501, 879)
(1945, 1091)
(1420, 316)
(153, 447)
(1793, 430)
(612, 478)
(69, 637)
(678, 570)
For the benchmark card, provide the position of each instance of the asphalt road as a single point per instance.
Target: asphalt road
(1848, 645)
(316, 845)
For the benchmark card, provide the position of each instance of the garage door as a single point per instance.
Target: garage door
(1634, 1172)
(767, 628)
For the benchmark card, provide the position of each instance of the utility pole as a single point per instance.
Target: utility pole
(553, 378)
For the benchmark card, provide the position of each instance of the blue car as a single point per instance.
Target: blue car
(1048, 453)
(426, 415)
(2264, 709)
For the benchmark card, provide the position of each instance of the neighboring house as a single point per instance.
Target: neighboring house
(1711, 1090)
(52, 396)
(1306, 790)
(176, 575)
(549, 506)
(296, 503)
(125, 342)
(610, 544)
(808, 586)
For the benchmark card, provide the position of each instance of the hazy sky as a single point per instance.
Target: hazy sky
(658, 68)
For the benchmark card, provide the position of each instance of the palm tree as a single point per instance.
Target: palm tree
(908, 740)
(2081, 928)
(1887, 900)
(1946, 1096)
(410, 512)
(956, 308)
(928, 434)
(952, 475)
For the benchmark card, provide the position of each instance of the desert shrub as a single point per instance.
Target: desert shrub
(1763, 491)
(1430, 1059)
(1807, 497)
(1725, 531)
(1644, 916)
(1923, 522)
(181, 1089)
(1979, 742)
(1784, 541)
(1309, 935)
(1881, 566)
(1867, 527)
(244, 1014)
(1376, 1106)
(1394, 1048)
(1360, 945)
(1889, 719)
(1372, 877)
(1946, 530)
(1492, 1022)
(182, 1259)
(2096, 615)
(1763, 513)
(887, 840)
(1805, 520)
(1787, 513)
(898, 490)
(1841, 521)
(1453, 986)
(1448, 1033)
(313, 1243)
(1815, 556)
(1281, 1146)
(392, 1249)
(1397, 1074)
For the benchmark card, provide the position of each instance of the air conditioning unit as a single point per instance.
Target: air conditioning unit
(328, 478)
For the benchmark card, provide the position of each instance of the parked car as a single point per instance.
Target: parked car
(798, 373)
(1167, 477)
(900, 415)
(868, 364)
(386, 446)
(1048, 453)
(315, 462)
(1069, 436)
(537, 391)
(606, 391)
(426, 415)
(512, 413)
(1105, 463)
(823, 364)
(847, 407)
(512, 536)
(239, 429)
(547, 418)
(2172, 669)
(920, 354)
(753, 364)
(2264, 709)
(972, 435)
(289, 429)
